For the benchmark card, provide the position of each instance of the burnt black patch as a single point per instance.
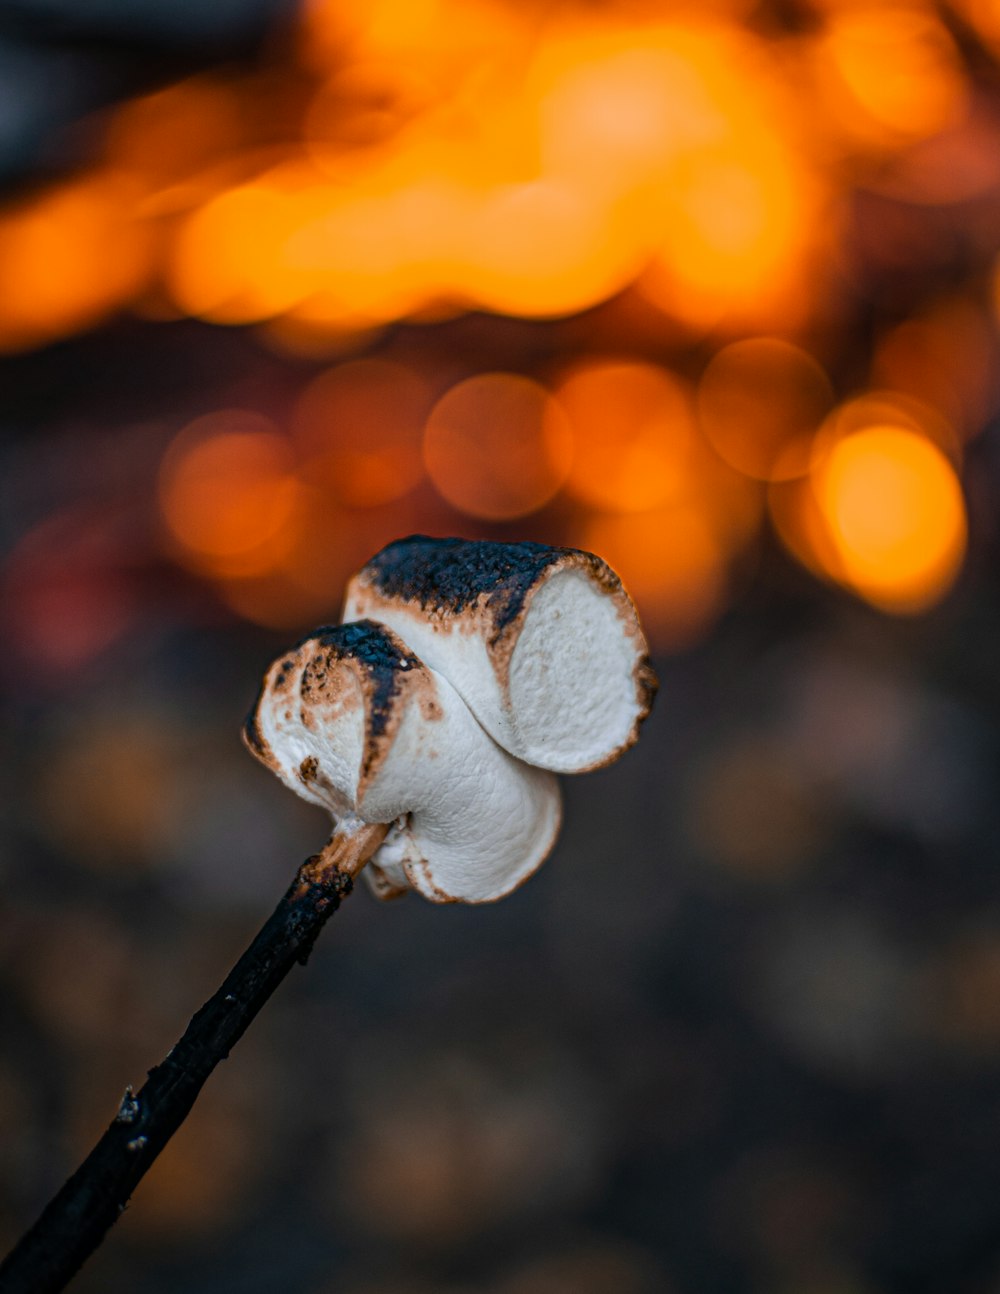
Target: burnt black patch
(448, 575)
(252, 736)
(285, 672)
(381, 654)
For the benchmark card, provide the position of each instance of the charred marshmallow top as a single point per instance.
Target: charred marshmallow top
(542, 643)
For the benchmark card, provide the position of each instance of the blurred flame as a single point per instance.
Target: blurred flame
(230, 261)
(633, 426)
(497, 446)
(541, 248)
(229, 494)
(69, 258)
(735, 236)
(168, 135)
(894, 512)
(687, 172)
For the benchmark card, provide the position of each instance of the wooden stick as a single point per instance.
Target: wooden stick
(76, 1220)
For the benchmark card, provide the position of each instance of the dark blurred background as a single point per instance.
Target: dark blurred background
(707, 288)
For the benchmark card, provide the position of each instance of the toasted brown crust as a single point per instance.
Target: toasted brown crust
(276, 678)
(385, 670)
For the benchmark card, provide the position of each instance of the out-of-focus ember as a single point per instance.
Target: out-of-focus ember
(764, 242)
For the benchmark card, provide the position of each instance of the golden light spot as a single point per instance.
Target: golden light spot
(496, 446)
(616, 106)
(760, 403)
(443, 37)
(894, 511)
(892, 73)
(633, 427)
(68, 258)
(673, 563)
(379, 250)
(735, 234)
(230, 261)
(799, 524)
(359, 429)
(229, 494)
(544, 248)
(884, 409)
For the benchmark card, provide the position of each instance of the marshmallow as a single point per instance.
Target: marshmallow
(543, 644)
(353, 721)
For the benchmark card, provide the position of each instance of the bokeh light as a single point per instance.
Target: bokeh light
(760, 403)
(895, 514)
(229, 493)
(633, 427)
(894, 72)
(687, 194)
(673, 563)
(358, 427)
(497, 446)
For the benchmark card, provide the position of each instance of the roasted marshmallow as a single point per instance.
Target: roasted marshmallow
(542, 643)
(353, 721)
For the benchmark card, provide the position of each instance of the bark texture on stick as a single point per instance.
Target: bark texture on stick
(78, 1217)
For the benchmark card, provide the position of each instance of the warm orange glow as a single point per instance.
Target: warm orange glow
(676, 130)
(796, 517)
(359, 428)
(231, 262)
(497, 446)
(357, 111)
(542, 248)
(895, 514)
(735, 235)
(947, 357)
(229, 495)
(443, 36)
(760, 402)
(168, 135)
(891, 72)
(705, 181)
(672, 563)
(984, 17)
(305, 582)
(68, 258)
(884, 409)
(617, 106)
(633, 427)
(305, 585)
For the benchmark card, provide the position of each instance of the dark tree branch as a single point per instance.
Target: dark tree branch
(78, 1217)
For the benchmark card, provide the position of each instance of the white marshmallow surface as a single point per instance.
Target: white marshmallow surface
(571, 693)
(396, 743)
(563, 683)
